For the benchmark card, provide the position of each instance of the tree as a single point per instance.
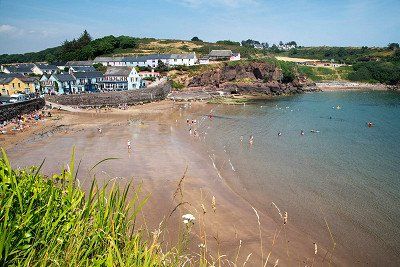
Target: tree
(196, 39)
(161, 66)
(393, 46)
(280, 43)
(84, 39)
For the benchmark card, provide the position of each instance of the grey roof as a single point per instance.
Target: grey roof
(79, 63)
(60, 64)
(64, 77)
(107, 59)
(88, 74)
(83, 68)
(118, 71)
(44, 66)
(220, 53)
(20, 68)
(10, 75)
(144, 58)
(28, 79)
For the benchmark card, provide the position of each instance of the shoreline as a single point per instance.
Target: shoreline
(205, 178)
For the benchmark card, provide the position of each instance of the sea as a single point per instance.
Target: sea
(315, 157)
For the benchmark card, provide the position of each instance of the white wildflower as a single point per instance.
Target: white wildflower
(188, 218)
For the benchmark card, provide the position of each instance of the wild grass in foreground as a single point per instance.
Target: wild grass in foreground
(51, 222)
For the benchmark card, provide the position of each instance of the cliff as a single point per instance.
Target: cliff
(249, 77)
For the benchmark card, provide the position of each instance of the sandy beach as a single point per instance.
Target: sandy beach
(162, 150)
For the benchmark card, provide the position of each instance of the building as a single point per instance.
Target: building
(120, 79)
(46, 85)
(148, 77)
(42, 68)
(63, 83)
(21, 68)
(14, 85)
(151, 61)
(79, 63)
(73, 69)
(286, 47)
(204, 61)
(87, 81)
(223, 55)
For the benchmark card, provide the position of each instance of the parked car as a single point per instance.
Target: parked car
(14, 98)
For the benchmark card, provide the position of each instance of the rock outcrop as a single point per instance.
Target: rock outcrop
(253, 77)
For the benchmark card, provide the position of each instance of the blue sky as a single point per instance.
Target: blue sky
(32, 25)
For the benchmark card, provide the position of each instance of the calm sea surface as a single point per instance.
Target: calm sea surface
(347, 174)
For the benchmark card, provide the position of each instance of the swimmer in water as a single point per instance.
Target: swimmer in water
(370, 124)
(241, 139)
(279, 134)
(251, 140)
(301, 132)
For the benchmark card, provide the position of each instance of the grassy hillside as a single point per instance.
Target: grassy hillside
(84, 48)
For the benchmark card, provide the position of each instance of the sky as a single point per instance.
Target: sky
(33, 25)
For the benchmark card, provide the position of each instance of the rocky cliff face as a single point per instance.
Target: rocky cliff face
(260, 77)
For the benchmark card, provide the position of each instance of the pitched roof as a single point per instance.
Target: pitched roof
(20, 68)
(28, 79)
(64, 77)
(10, 75)
(88, 74)
(79, 63)
(118, 71)
(220, 53)
(44, 66)
(107, 59)
(144, 58)
(83, 68)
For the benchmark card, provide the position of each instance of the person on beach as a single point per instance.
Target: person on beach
(251, 140)
(129, 145)
(99, 130)
(241, 139)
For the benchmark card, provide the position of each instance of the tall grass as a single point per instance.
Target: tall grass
(52, 222)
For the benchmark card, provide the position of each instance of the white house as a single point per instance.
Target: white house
(42, 68)
(151, 61)
(235, 57)
(73, 69)
(120, 79)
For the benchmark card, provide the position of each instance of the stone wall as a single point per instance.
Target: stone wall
(10, 111)
(132, 97)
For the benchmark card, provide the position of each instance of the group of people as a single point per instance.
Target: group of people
(22, 122)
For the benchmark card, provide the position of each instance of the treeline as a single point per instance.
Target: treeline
(83, 48)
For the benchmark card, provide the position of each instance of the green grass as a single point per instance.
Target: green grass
(52, 222)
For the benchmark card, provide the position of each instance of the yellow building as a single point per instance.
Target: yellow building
(15, 85)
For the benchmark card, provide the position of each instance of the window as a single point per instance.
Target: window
(19, 85)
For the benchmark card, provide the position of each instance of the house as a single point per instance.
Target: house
(73, 69)
(64, 83)
(148, 77)
(13, 85)
(87, 81)
(22, 68)
(79, 63)
(220, 55)
(204, 61)
(235, 57)
(151, 60)
(46, 85)
(149, 74)
(61, 65)
(120, 79)
(42, 68)
(286, 47)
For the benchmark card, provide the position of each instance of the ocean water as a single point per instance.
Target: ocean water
(346, 175)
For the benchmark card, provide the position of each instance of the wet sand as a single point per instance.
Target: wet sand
(161, 151)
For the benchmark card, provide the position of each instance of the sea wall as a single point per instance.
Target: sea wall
(133, 97)
(10, 111)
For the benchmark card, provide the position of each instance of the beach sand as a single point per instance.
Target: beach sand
(161, 151)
